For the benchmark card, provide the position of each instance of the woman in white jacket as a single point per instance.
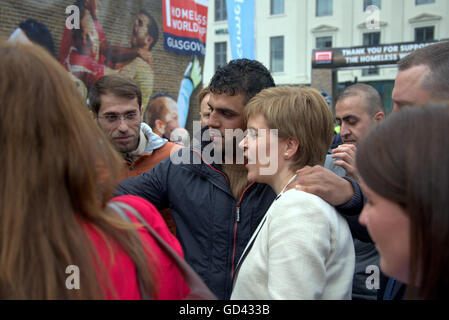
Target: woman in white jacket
(302, 248)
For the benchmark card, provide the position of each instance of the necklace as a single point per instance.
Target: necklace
(285, 186)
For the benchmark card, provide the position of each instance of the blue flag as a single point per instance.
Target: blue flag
(241, 28)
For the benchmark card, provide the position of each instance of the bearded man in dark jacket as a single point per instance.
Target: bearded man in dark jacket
(206, 188)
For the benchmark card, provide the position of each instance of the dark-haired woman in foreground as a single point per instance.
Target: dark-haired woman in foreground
(403, 163)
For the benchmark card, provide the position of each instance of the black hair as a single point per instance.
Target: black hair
(153, 29)
(372, 99)
(38, 33)
(241, 76)
(160, 95)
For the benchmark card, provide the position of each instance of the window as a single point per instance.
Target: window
(220, 54)
(419, 2)
(367, 3)
(371, 39)
(323, 42)
(424, 34)
(220, 10)
(277, 54)
(277, 7)
(324, 8)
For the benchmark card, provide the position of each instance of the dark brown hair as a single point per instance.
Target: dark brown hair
(405, 159)
(58, 171)
(372, 100)
(119, 86)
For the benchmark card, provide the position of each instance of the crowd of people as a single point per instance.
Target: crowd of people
(260, 209)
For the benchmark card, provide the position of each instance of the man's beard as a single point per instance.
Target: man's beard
(230, 151)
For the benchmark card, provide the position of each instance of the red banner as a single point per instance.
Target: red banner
(185, 25)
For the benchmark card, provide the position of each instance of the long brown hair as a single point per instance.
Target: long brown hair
(405, 159)
(58, 172)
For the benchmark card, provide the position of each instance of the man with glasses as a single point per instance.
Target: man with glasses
(116, 103)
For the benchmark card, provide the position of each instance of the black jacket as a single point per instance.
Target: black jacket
(211, 225)
(351, 212)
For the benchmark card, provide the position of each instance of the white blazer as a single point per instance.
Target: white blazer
(302, 249)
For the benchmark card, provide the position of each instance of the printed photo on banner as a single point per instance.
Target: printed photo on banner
(160, 44)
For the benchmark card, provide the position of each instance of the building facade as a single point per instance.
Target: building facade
(288, 30)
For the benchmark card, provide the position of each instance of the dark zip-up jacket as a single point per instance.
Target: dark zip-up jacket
(212, 226)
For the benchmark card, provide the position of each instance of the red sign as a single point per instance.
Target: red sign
(324, 56)
(185, 25)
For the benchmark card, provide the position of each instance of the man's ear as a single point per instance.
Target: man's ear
(380, 116)
(158, 127)
(141, 113)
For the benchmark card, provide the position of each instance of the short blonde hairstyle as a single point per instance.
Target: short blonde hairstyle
(301, 113)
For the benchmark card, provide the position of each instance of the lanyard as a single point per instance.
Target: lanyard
(242, 258)
(253, 240)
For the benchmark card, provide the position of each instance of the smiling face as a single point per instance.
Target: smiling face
(124, 133)
(389, 226)
(262, 151)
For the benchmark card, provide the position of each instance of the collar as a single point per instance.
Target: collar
(153, 140)
(142, 144)
(283, 189)
(148, 142)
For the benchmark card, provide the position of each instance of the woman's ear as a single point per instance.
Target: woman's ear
(291, 147)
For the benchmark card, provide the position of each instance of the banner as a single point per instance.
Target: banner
(93, 38)
(364, 56)
(185, 25)
(241, 19)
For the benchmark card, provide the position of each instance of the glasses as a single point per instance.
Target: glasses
(115, 117)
